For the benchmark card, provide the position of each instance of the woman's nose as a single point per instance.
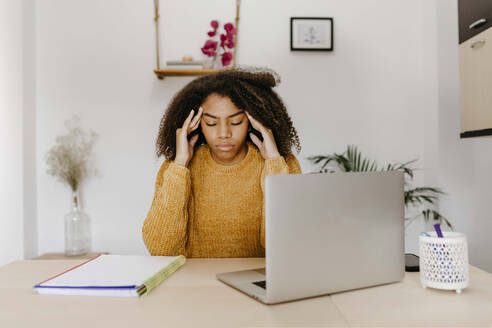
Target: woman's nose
(224, 131)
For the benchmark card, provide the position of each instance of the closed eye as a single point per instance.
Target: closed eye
(231, 123)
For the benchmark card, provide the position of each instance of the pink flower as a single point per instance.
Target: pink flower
(209, 48)
(229, 43)
(226, 58)
(232, 32)
(226, 39)
(229, 28)
(215, 25)
(222, 40)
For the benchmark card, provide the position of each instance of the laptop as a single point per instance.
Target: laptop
(327, 233)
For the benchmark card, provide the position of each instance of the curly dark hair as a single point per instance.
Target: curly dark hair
(250, 89)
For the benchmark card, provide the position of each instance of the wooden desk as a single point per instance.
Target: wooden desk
(192, 297)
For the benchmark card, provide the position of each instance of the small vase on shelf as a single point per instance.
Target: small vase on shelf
(212, 62)
(77, 229)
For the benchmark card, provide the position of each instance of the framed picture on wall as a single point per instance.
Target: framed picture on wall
(311, 33)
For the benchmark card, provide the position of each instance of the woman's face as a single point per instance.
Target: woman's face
(225, 128)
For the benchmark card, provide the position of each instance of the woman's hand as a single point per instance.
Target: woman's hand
(184, 148)
(268, 148)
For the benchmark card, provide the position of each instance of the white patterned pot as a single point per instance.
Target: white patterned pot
(444, 261)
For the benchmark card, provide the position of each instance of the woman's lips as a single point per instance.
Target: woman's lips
(224, 147)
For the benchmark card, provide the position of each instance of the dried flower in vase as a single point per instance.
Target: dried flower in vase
(70, 159)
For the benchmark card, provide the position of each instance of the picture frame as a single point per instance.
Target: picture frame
(311, 34)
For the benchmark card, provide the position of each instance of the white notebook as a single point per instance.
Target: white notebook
(113, 275)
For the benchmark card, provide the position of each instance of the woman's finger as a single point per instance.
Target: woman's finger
(194, 127)
(193, 141)
(196, 118)
(255, 123)
(187, 121)
(256, 140)
(196, 121)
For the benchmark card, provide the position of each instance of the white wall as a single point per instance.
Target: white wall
(373, 91)
(29, 129)
(11, 161)
(464, 164)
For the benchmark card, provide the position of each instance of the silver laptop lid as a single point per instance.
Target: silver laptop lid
(326, 233)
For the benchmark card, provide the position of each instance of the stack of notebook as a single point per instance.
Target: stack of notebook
(113, 275)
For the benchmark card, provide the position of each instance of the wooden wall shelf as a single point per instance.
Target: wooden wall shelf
(161, 73)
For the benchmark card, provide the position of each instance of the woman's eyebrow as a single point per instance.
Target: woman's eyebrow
(212, 116)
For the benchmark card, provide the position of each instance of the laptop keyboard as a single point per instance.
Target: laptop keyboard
(261, 284)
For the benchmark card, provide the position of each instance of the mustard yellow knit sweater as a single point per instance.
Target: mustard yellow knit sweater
(212, 210)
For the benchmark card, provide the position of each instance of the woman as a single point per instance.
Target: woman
(221, 135)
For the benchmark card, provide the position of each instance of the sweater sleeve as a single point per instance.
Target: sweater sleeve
(164, 230)
(272, 166)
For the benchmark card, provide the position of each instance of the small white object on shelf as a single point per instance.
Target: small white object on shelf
(188, 64)
(444, 261)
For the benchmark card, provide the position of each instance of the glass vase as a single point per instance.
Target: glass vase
(214, 62)
(208, 63)
(77, 228)
(217, 62)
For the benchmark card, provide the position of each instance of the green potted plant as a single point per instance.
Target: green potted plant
(352, 160)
